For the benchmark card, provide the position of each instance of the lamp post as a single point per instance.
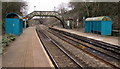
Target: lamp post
(34, 8)
(54, 8)
(24, 19)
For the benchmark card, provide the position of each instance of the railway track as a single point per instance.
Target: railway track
(59, 56)
(109, 58)
(106, 46)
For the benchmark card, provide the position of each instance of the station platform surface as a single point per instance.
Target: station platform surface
(107, 39)
(26, 51)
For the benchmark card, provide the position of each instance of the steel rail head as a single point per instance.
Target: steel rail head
(48, 52)
(74, 60)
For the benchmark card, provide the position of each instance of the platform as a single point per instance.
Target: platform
(108, 39)
(26, 51)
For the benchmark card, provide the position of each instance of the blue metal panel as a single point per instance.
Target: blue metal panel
(90, 26)
(106, 28)
(16, 26)
(21, 26)
(8, 26)
(86, 26)
(99, 26)
(13, 26)
(93, 26)
(96, 25)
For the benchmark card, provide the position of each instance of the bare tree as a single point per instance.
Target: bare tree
(62, 8)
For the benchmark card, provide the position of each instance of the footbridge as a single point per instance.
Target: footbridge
(46, 14)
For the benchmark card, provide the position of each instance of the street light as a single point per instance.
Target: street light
(54, 8)
(25, 13)
(34, 8)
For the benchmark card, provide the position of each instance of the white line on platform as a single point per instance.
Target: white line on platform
(90, 37)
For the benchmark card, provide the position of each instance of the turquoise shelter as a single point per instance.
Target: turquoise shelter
(102, 25)
(13, 24)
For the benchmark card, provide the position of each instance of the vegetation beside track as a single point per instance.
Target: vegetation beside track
(6, 40)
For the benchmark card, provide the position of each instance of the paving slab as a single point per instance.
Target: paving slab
(26, 51)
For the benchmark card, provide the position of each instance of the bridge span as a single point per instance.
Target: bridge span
(47, 14)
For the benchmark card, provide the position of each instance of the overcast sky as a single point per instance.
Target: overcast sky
(44, 5)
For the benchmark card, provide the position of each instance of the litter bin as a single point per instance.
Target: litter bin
(13, 24)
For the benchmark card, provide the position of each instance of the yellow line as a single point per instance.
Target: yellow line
(50, 62)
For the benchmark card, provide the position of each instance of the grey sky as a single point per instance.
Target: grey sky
(44, 5)
(48, 5)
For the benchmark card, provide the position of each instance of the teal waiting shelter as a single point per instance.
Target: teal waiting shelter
(13, 24)
(102, 25)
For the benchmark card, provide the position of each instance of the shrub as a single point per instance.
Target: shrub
(6, 40)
